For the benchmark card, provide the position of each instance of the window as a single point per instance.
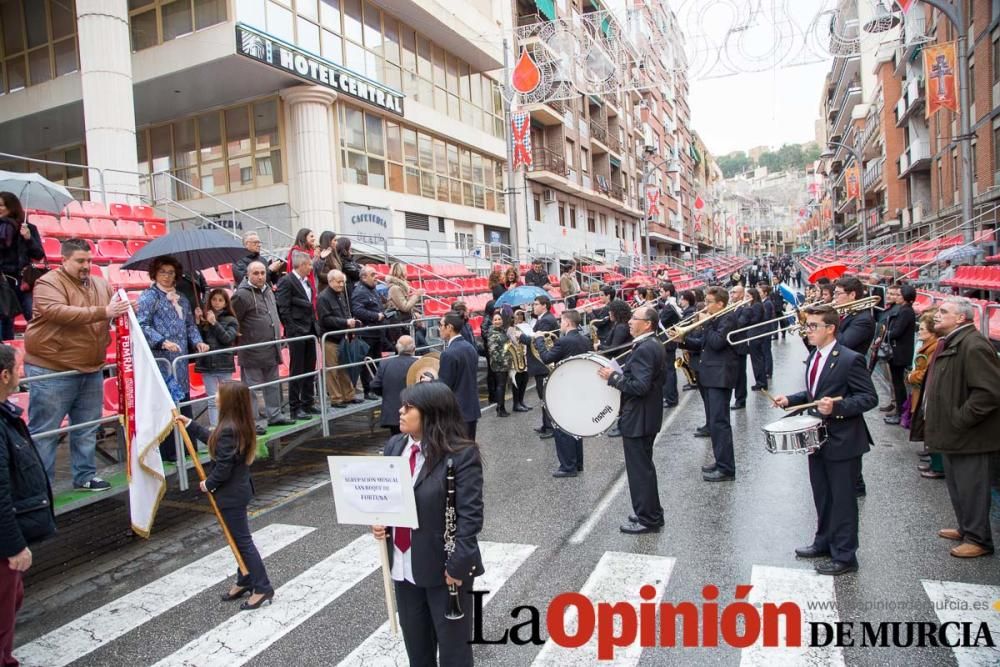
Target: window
(381, 152)
(74, 178)
(572, 217)
(153, 22)
(538, 200)
(38, 39)
(995, 59)
(996, 148)
(570, 154)
(591, 224)
(221, 151)
(584, 160)
(562, 216)
(972, 80)
(954, 170)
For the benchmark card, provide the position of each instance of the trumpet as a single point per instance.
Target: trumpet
(798, 325)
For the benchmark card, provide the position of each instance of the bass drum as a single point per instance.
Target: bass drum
(578, 400)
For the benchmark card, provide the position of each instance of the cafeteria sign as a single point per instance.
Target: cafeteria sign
(283, 56)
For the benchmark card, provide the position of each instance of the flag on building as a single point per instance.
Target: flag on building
(940, 71)
(145, 407)
(905, 5)
(853, 182)
(652, 202)
(520, 137)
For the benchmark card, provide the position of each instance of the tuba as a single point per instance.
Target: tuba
(548, 339)
(518, 353)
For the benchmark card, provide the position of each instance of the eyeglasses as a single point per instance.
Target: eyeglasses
(166, 272)
(813, 326)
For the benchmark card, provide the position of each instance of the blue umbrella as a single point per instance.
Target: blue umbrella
(791, 297)
(519, 296)
(959, 253)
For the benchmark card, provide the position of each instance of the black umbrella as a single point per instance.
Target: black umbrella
(196, 249)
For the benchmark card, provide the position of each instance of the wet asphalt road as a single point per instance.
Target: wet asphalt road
(716, 533)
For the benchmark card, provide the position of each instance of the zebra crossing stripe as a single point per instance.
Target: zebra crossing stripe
(955, 602)
(243, 636)
(616, 578)
(382, 649)
(814, 593)
(89, 632)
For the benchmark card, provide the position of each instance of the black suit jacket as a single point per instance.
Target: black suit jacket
(566, 346)
(427, 541)
(334, 311)
(389, 383)
(367, 306)
(856, 332)
(229, 480)
(641, 384)
(744, 317)
(459, 363)
(668, 318)
(902, 330)
(295, 308)
(546, 322)
(844, 373)
(719, 365)
(618, 338)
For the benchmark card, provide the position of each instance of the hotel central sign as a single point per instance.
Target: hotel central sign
(280, 55)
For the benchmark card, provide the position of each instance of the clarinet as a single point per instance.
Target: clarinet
(454, 612)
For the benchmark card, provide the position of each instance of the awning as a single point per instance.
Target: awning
(547, 8)
(606, 27)
(615, 162)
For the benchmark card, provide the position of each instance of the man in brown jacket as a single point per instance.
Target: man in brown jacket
(962, 421)
(70, 332)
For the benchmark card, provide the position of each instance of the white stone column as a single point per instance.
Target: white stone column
(311, 161)
(108, 108)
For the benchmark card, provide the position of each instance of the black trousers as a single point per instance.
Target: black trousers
(768, 358)
(898, 375)
(717, 400)
(375, 352)
(642, 485)
(301, 359)
(239, 528)
(491, 379)
(741, 379)
(520, 386)
(670, 384)
(498, 393)
(569, 451)
(968, 480)
(758, 360)
(540, 381)
(430, 638)
(836, 505)
(703, 391)
(471, 428)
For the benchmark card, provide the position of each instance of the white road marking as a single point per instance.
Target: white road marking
(245, 635)
(804, 587)
(105, 624)
(382, 649)
(581, 533)
(955, 602)
(616, 578)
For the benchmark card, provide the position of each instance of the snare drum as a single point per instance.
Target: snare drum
(801, 434)
(578, 400)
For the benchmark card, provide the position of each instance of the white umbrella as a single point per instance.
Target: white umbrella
(35, 191)
(958, 254)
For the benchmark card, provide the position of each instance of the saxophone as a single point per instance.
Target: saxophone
(683, 362)
(454, 612)
(518, 353)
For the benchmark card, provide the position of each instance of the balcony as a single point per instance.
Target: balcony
(547, 113)
(915, 158)
(545, 160)
(910, 101)
(852, 97)
(599, 137)
(873, 174)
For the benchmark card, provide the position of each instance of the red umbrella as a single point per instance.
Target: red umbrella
(831, 271)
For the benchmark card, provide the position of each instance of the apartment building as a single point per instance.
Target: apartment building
(376, 119)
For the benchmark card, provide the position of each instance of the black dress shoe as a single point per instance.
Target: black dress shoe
(546, 435)
(564, 473)
(636, 528)
(709, 468)
(229, 597)
(615, 432)
(520, 407)
(298, 415)
(579, 468)
(702, 433)
(541, 429)
(261, 430)
(281, 421)
(741, 405)
(892, 419)
(668, 404)
(860, 491)
(357, 401)
(312, 410)
(369, 396)
(811, 551)
(247, 606)
(338, 406)
(501, 412)
(835, 567)
(718, 476)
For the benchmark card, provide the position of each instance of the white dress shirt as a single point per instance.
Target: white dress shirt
(402, 563)
(306, 287)
(822, 354)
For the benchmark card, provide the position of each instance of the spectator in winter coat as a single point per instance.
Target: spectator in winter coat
(275, 266)
(219, 329)
(20, 245)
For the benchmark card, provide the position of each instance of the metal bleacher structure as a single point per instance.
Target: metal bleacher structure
(127, 222)
(977, 274)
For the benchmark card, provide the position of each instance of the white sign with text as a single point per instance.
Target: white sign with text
(373, 491)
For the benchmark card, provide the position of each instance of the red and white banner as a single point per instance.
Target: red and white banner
(652, 202)
(145, 407)
(853, 182)
(941, 73)
(520, 137)
(905, 5)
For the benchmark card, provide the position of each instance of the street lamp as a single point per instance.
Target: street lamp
(884, 20)
(954, 13)
(828, 154)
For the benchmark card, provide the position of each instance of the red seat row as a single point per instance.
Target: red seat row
(105, 250)
(975, 277)
(97, 228)
(95, 209)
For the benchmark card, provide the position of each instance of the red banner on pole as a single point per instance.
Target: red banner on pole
(520, 137)
(905, 5)
(853, 181)
(941, 72)
(652, 202)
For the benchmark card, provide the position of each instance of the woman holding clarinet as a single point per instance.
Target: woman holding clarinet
(433, 566)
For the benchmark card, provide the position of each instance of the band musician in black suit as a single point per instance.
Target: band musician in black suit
(569, 449)
(545, 321)
(718, 372)
(294, 299)
(459, 366)
(433, 431)
(641, 383)
(856, 330)
(833, 370)
(745, 317)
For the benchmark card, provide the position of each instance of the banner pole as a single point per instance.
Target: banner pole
(390, 599)
(193, 453)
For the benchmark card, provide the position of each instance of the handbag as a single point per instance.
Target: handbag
(10, 305)
(31, 273)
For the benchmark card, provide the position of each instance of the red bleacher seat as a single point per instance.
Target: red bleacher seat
(94, 209)
(76, 227)
(135, 245)
(119, 211)
(112, 250)
(226, 272)
(96, 270)
(154, 229)
(20, 324)
(145, 213)
(110, 396)
(105, 229)
(48, 225)
(52, 248)
(213, 278)
(129, 229)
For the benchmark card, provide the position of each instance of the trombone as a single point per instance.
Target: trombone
(797, 326)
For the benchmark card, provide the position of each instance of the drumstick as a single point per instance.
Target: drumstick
(806, 406)
(769, 397)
